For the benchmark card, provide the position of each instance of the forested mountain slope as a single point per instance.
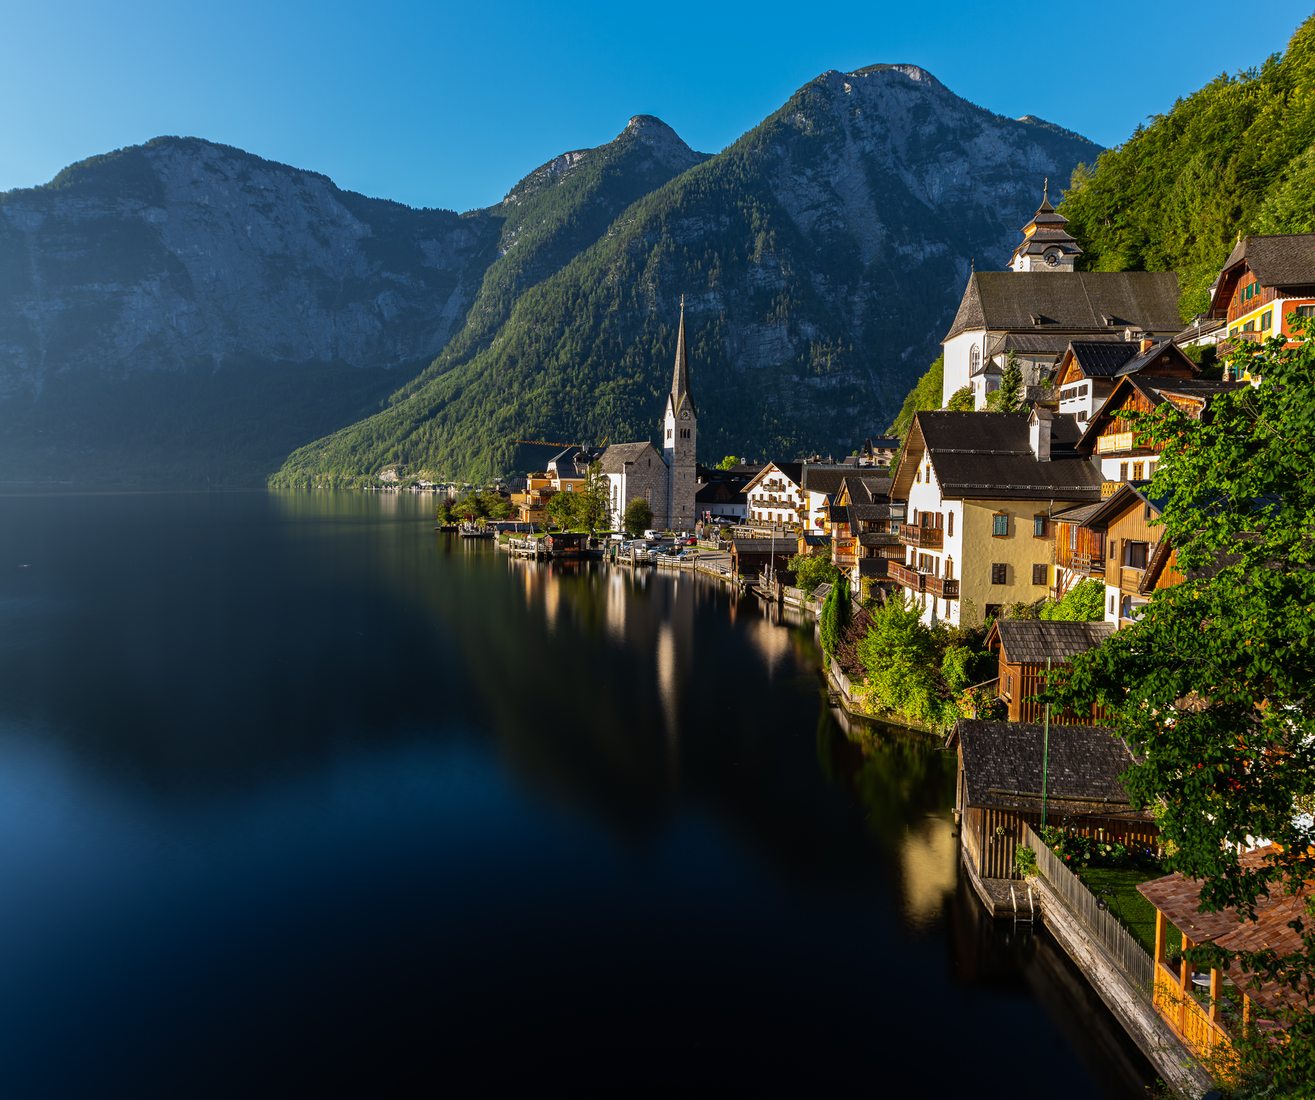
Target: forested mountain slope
(821, 257)
(1238, 156)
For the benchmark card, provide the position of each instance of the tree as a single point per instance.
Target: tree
(595, 500)
(638, 517)
(561, 510)
(924, 397)
(468, 509)
(729, 462)
(494, 505)
(810, 570)
(1083, 603)
(1211, 686)
(834, 616)
(1009, 397)
(899, 656)
(962, 400)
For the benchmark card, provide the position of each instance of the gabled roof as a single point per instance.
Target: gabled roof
(1156, 391)
(1032, 641)
(1129, 494)
(1002, 764)
(791, 471)
(1285, 259)
(613, 459)
(572, 463)
(1079, 515)
(979, 455)
(1077, 302)
(866, 489)
(720, 492)
(824, 478)
(1100, 358)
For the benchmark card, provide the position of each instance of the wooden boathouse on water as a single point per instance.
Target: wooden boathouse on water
(1000, 788)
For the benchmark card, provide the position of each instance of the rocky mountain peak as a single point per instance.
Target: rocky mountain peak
(913, 73)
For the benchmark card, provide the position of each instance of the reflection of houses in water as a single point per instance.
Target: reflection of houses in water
(928, 858)
(616, 599)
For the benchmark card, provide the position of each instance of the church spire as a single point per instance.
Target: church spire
(1047, 245)
(680, 391)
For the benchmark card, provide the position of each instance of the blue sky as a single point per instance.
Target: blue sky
(444, 104)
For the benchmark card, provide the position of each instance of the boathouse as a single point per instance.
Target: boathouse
(1024, 646)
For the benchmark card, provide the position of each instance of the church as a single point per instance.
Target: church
(666, 479)
(1042, 304)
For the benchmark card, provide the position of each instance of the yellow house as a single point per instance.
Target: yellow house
(1265, 284)
(980, 490)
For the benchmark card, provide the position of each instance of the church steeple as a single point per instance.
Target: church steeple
(1047, 245)
(680, 391)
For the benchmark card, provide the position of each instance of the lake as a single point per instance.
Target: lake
(297, 793)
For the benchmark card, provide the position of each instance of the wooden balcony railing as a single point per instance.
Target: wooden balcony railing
(909, 578)
(1109, 488)
(1114, 442)
(1186, 1016)
(1130, 578)
(928, 538)
(944, 588)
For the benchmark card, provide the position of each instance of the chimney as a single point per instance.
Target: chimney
(1147, 342)
(1038, 428)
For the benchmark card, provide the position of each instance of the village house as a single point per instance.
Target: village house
(1041, 305)
(793, 494)
(1026, 648)
(878, 451)
(1265, 284)
(1110, 439)
(530, 503)
(1000, 787)
(980, 490)
(750, 557)
(721, 501)
(864, 528)
(1089, 370)
(1139, 561)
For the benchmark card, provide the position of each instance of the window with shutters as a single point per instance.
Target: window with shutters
(949, 525)
(1138, 469)
(1000, 524)
(999, 572)
(1123, 471)
(1039, 574)
(1039, 526)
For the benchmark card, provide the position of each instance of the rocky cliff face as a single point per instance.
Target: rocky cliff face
(821, 256)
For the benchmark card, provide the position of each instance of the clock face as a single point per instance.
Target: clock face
(1052, 258)
(685, 415)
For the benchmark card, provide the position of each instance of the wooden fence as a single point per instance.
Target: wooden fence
(1103, 927)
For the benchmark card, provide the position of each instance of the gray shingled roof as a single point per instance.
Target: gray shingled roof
(1281, 260)
(614, 458)
(989, 456)
(1031, 641)
(1076, 302)
(1002, 764)
(1103, 358)
(824, 478)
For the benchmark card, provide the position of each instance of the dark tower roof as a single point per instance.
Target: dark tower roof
(681, 395)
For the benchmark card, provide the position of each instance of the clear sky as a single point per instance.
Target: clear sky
(445, 104)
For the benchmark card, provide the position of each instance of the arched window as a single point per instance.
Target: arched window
(974, 359)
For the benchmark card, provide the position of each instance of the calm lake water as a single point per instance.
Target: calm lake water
(297, 794)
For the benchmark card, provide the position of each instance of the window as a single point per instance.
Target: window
(1039, 574)
(1135, 554)
(1138, 469)
(1009, 684)
(992, 612)
(1305, 311)
(949, 524)
(1000, 524)
(1123, 471)
(949, 569)
(999, 572)
(1111, 605)
(1039, 526)
(917, 475)
(1266, 319)
(1113, 544)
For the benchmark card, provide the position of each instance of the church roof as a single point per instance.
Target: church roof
(681, 395)
(1077, 302)
(613, 459)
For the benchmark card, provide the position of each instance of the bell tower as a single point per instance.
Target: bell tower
(1047, 245)
(680, 436)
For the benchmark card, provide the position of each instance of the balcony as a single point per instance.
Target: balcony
(925, 538)
(942, 587)
(1130, 578)
(1114, 443)
(909, 578)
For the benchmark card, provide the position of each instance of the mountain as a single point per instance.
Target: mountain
(821, 257)
(1237, 156)
(184, 312)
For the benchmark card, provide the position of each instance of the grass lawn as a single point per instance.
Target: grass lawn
(1119, 888)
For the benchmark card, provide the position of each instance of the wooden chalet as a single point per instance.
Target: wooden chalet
(1079, 548)
(1023, 647)
(1089, 370)
(1212, 1010)
(999, 786)
(1139, 561)
(1110, 439)
(863, 524)
(1266, 282)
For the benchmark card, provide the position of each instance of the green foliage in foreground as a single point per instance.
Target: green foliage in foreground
(961, 400)
(915, 672)
(1211, 687)
(925, 396)
(1238, 155)
(1009, 397)
(1083, 603)
(810, 570)
(834, 617)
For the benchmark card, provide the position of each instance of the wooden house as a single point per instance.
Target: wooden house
(1090, 369)
(1023, 647)
(566, 544)
(1211, 1010)
(1139, 561)
(999, 786)
(1079, 548)
(1264, 285)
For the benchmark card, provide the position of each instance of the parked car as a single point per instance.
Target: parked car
(691, 541)
(651, 534)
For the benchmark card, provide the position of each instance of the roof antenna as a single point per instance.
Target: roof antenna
(972, 263)
(1045, 190)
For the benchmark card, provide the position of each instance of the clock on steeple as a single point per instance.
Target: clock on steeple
(1046, 245)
